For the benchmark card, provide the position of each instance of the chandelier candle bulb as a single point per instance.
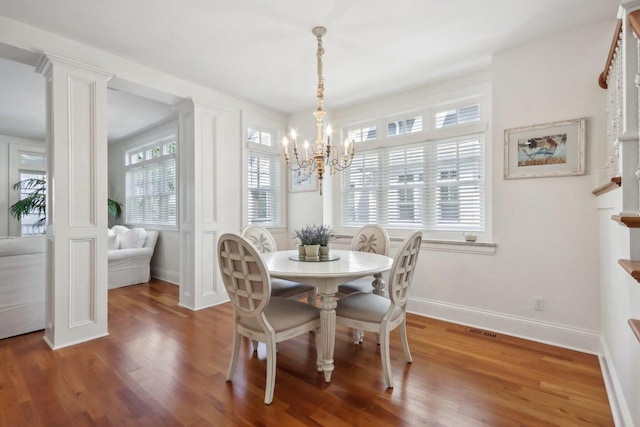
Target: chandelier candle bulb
(285, 142)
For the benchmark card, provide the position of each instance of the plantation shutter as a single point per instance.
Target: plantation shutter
(150, 192)
(455, 184)
(361, 189)
(403, 171)
(263, 188)
(434, 185)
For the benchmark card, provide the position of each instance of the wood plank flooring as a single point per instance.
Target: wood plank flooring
(163, 365)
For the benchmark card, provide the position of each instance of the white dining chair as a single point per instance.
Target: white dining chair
(257, 315)
(263, 241)
(368, 238)
(370, 312)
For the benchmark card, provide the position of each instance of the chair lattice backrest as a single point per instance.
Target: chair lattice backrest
(402, 270)
(244, 274)
(371, 238)
(260, 238)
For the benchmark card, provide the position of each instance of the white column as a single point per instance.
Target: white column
(199, 136)
(76, 300)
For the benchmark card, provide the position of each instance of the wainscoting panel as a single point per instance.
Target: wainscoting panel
(82, 282)
(82, 148)
(209, 262)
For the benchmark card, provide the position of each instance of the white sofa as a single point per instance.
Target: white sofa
(22, 284)
(132, 265)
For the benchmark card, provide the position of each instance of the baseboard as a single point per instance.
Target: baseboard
(555, 334)
(170, 276)
(617, 403)
(70, 343)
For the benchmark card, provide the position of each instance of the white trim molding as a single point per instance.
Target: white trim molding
(544, 332)
(617, 403)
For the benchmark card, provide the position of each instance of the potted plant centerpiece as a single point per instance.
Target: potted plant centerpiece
(314, 241)
(325, 233)
(308, 237)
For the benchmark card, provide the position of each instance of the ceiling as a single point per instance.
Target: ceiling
(263, 51)
(22, 106)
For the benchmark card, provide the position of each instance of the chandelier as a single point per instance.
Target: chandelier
(324, 156)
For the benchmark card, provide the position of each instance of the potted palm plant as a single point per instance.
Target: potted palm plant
(36, 201)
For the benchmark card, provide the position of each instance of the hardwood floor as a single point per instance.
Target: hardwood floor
(165, 365)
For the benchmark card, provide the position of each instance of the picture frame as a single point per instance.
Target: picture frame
(545, 150)
(302, 181)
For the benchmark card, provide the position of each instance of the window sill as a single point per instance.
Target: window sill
(480, 248)
(153, 227)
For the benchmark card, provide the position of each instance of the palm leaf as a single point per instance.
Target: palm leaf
(36, 201)
(115, 208)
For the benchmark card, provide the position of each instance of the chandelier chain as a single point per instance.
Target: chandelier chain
(320, 92)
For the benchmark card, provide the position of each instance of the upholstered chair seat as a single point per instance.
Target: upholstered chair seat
(282, 315)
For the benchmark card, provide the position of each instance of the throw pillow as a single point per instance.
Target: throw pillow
(133, 238)
(142, 237)
(119, 229)
(114, 242)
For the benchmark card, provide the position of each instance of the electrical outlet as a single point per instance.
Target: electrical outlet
(538, 303)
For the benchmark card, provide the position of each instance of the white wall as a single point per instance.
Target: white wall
(546, 228)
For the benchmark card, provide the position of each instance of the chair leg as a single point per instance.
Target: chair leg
(234, 355)
(358, 336)
(271, 371)
(384, 355)
(311, 298)
(405, 342)
(254, 346)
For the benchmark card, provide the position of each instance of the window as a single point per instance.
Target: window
(362, 134)
(263, 179)
(150, 183)
(433, 185)
(458, 116)
(402, 127)
(33, 223)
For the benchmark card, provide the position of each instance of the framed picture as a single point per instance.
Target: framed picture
(551, 149)
(301, 180)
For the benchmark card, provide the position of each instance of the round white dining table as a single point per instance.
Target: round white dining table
(326, 276)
